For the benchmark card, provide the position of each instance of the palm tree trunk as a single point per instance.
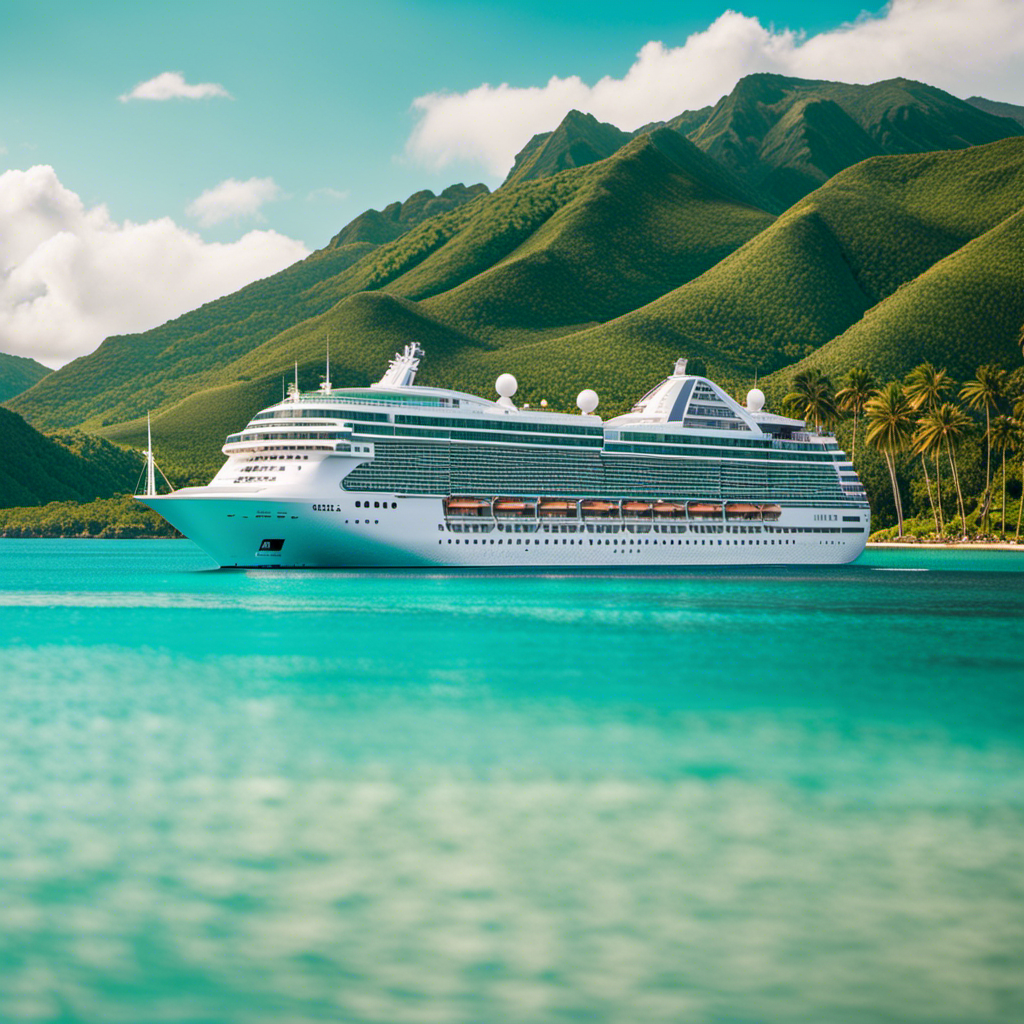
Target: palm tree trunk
(959, 493)
(1020, 507)
(853, 453)
(927, 483)
(938, 487)
(1003, 528)
(890, 463)
(988, 470)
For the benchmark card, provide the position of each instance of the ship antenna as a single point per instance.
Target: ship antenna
(296, 377)
(326, 384)
(282, 387)
(150, 462)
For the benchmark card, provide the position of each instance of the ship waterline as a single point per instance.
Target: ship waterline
(400, 475)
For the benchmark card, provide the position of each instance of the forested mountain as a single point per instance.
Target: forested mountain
(601, 273)
(579, 140)
(1010, 110)
(786, 136)
(18, 373)
(70, 465)
(379, 226)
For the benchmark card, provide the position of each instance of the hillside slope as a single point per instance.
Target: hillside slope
(380, 226)
(36, 469)
(821, 266)
(785, 137)
(19, 373)
(965, 311)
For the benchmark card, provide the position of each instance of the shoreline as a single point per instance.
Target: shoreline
(948, 545)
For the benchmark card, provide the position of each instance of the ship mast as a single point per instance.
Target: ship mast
(150, 461)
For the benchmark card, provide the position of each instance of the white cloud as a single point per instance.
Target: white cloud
(334, 194)
(232, 199)
(171, 85)
(71, 276)
(965, 48)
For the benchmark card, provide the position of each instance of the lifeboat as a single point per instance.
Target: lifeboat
(598, 508)
(664, 509)
(513, 507)
(557, 508)
(742, 510)
(636, 508)
(703, 510)
(465, 507)
(771, 513)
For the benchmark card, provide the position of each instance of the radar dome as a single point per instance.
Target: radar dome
(755, 400)
(506, 385)
(587, 401)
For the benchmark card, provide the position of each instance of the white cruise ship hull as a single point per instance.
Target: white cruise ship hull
(254, 531)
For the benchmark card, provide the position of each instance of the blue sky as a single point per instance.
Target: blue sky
(335, 107)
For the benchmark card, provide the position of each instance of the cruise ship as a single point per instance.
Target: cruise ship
(401, 475)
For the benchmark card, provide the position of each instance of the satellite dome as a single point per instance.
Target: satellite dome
(587, 401)
(506, 385)
(755, 400)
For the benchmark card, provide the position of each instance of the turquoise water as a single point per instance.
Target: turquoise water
(733, 796)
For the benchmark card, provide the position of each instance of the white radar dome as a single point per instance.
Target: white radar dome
(755, 400)
(506, 385)
(587, 401)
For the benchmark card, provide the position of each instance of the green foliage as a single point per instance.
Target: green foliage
(17, 374)
(68, 465)
(120, 516)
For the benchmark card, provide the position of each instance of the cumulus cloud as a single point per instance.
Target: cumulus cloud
(965, 48)
(171, 85)
(334, 194)
(233, 199)
(71, 276)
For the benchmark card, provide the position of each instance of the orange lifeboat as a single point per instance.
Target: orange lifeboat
(704, 510)
(598, 508)
(636, 508)
(465, 507)
(557, 508)
(512, 507)
(771, 513)
(742, 510)
(668, 508)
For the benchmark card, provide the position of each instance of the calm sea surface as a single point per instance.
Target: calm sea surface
(739, 797)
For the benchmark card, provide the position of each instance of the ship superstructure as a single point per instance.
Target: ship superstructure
(398, 474)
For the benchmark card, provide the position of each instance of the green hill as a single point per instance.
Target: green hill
(787, 136)
(580, 139)
(18, 373)
(965, 311)
(36, 469)
(380, 226)
(1010, 110)
(813, 274)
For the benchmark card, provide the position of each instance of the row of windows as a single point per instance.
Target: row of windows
(512, 424)
(425, 468)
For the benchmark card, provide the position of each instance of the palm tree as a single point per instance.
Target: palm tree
(927, 387)
(890, 429)
(986, 391)
(1018, 415)
(813, 397)
(946, 425)
(853, 396)
(1005, 435)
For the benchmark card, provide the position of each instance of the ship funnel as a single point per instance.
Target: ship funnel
(680, 369)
